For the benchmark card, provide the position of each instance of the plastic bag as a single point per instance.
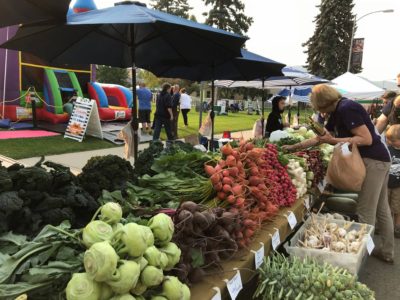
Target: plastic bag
(257, 129)
(277, 135)
(346, 170)
(205, 129)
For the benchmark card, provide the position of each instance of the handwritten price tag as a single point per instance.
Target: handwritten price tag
(307, 202)
(259, 256)
(235, 285)
(217, 296)
(370, 244)
(276, 240)
(322, 185)
(292, 220)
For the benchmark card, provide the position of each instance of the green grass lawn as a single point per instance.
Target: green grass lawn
(25, 148)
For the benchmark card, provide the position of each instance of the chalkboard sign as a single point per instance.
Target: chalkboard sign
(64, 81)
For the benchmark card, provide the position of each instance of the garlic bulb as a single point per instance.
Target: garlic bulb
(342, 232)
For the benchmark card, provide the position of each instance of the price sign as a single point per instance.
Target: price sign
(321, 186)
(370, 244)
(235, 285)
(259, 256)
(217, 296)
(292, 220)
(307, 202)
(276, 240)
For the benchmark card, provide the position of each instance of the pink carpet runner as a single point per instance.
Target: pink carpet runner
(25, 134)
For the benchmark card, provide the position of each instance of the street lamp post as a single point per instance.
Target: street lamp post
(354, 28)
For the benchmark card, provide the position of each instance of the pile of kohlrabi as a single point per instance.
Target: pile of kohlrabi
(127, 261)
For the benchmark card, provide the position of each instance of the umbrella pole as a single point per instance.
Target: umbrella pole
(290, 105)
(5, 77)
(212, 114)
(262, 107)
(134, 118)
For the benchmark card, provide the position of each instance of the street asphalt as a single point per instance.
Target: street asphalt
(383, 278)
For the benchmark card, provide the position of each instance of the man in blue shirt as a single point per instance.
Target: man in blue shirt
(145, 97)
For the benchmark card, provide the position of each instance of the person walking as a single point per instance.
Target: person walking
(176, 98)
(186, 105)
(349, 122)
(145, 97)
(163, 114)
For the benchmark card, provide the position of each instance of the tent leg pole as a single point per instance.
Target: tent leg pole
(134, 118)
(212, 114)
(263, 108)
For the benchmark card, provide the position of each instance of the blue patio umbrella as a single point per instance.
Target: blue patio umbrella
(248, 67)
(293, 77)
(128, 35)
(301, 95)
(14, 12)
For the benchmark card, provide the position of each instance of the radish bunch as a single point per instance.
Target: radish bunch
(281, 189)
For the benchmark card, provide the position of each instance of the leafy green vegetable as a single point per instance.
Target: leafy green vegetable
(146, 158)
(181, 162)
(108, 172)
(40, 267)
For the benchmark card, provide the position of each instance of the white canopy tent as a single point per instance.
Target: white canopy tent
(356, 88)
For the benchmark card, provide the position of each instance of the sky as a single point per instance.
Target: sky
(280, 27)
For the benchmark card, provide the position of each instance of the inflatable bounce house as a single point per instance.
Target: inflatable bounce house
(113, 101)
(54, 85)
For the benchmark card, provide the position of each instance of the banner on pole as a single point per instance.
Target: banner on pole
(357, 52)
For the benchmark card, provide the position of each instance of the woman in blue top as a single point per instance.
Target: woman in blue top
(349, 122)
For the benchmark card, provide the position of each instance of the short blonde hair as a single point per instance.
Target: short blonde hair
(324, 97)
(393, 133)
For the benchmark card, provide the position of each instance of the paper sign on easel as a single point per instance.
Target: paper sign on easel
(85, 119)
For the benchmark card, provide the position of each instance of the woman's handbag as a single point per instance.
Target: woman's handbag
(346, 170)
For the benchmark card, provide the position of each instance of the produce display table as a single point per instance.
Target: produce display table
(244, 261)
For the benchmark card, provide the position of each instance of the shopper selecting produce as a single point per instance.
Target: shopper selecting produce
(350, 123)
(274, 121)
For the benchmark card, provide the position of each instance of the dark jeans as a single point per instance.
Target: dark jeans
(184, 114)
(158, 123)
(175, 113)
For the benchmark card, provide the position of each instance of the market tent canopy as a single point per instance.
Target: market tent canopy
(297, 95)
(14, 12)
(127, 35)
(291, 77)
(356, 88)
(247, 67)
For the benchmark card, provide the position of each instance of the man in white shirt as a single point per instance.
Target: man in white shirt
(186, 105)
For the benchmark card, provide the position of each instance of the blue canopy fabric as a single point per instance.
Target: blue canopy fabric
(298, 94)
(292, 77)
(125, 34)
(128, 35)
(14, 12)
(247, 67)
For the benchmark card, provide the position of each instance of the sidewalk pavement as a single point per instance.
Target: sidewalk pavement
(76, 161)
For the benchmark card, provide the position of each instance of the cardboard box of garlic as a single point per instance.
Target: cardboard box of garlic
(339, 242)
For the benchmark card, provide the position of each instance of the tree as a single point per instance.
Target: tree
(179, 8)
(107, 74)
(151, 80)
(328, 48)
(228, 15)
